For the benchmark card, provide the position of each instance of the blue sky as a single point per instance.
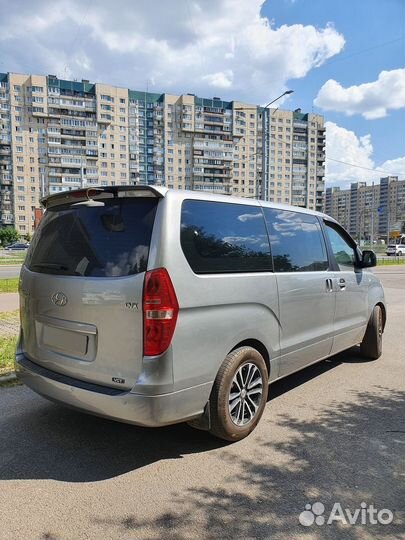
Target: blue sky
(365, 24)
(334, 54)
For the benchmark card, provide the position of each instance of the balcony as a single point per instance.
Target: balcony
(7, 218)
(78, 134)
(214, 111)
(217, 174)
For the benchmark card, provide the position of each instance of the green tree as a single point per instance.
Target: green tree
(28, 237)
(8, 235)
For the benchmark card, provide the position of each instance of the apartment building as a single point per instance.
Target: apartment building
(57, 135)
(369, 211)
(295, 165)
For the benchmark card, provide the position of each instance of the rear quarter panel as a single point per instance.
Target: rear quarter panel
(217, 311)
(375, 293)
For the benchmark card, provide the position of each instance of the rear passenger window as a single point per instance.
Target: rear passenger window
(223, 237)
(296, 241)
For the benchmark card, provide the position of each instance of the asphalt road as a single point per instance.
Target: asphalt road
(10, 271)
(334, 433)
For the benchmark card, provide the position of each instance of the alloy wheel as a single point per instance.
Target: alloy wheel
(245, 394)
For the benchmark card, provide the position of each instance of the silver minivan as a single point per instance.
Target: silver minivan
(153, 306)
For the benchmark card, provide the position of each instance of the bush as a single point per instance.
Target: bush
(8, 235)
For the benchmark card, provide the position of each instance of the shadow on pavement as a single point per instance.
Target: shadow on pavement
(351, 356)
(50, 441)
(350, 454)
(42, 440)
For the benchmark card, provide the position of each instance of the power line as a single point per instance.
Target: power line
(362, 167)
(361, 51)
(342, 58)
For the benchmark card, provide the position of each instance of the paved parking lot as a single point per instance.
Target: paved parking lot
(334, 433)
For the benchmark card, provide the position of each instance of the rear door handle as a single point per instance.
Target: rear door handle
(329, 285)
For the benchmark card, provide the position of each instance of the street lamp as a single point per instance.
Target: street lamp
(286, 93)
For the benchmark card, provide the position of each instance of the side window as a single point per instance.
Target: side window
(344, 253)
(223, 237)
(296, 241)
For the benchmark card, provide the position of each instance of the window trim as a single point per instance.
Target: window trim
(270, 270)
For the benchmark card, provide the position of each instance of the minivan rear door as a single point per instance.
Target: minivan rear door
(81, 289)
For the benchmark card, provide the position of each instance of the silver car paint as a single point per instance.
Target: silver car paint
(291, 315)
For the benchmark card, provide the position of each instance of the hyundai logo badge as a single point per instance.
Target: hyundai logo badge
(59, 299)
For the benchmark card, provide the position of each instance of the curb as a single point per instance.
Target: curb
(9, 377)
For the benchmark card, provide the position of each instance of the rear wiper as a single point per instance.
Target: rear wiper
(55, 266)
(50, 265)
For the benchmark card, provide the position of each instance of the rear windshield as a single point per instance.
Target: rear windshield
(100, 241)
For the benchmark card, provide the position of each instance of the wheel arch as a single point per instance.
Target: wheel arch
(384, 312)
(260, 348)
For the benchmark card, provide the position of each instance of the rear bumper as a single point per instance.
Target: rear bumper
(138, 409)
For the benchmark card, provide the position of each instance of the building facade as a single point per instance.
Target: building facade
(369, 211)
(57, 135)
(295, 155)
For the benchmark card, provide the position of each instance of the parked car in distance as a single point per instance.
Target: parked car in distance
(154, 306)
(396, 249)
(17, 246)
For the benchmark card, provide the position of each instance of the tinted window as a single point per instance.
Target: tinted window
(222, 237)
(344, 253)
(296, 241)
(103, 241)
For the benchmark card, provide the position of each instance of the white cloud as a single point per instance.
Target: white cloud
(222, 79)
(344, 145)
(394, 166)
(249, 217)
(209, 47)
(371, 100)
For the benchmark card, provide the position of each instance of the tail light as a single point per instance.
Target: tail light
(160, 310)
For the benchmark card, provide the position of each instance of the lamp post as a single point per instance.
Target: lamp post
(286, 93)
(264, 168)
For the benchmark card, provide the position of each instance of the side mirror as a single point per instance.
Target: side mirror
(368, 259)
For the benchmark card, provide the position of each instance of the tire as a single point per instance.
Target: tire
(240, 369)
(371, 346)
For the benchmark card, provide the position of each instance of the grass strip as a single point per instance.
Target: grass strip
(394, 261)
(7, 353)
(8, 285)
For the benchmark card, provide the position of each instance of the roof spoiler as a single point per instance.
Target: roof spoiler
(100, 193)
